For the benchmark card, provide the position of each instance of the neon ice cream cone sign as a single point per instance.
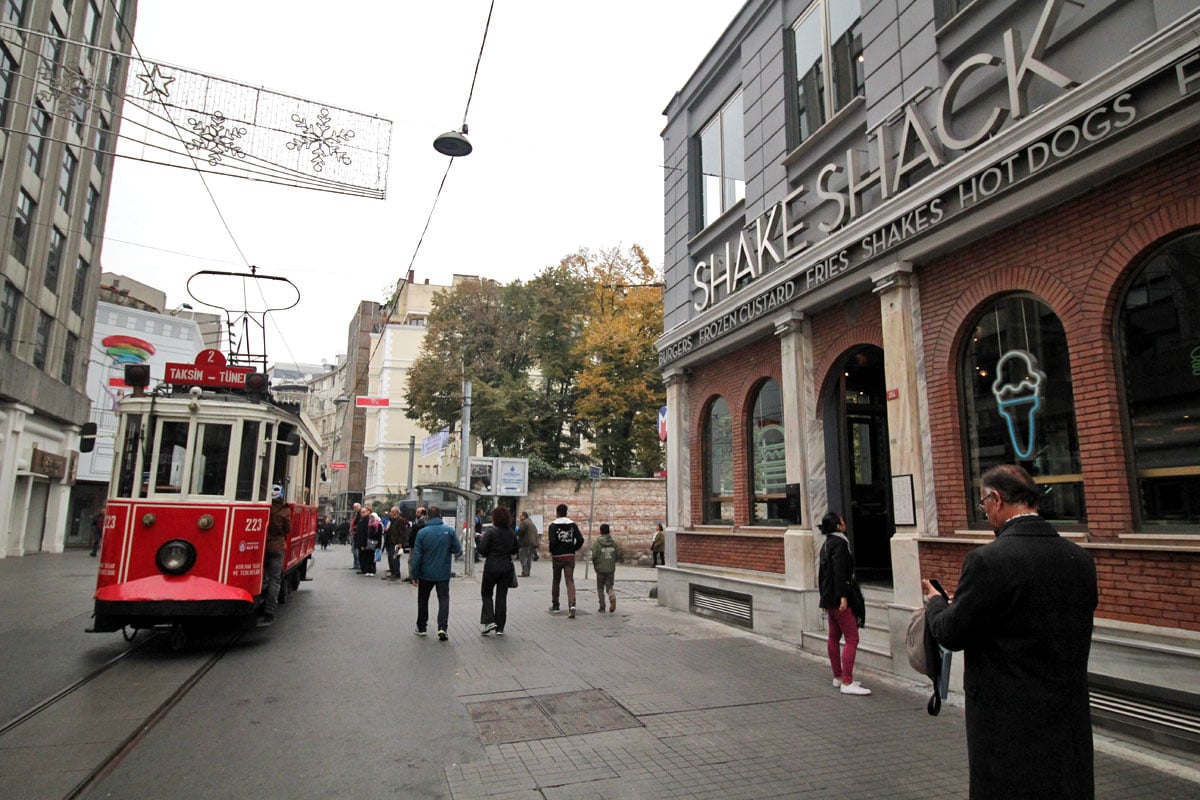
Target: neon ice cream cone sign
(1018, 392)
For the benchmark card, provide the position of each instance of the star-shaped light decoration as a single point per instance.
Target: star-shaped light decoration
(156, 83)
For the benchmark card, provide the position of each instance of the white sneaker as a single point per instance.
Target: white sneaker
(837, 683)
(855, 688)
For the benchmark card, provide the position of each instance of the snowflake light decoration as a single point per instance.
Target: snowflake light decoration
(68, 85)
(323, 142)
(218, 140)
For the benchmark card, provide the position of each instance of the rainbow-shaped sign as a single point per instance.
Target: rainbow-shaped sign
(127, 349)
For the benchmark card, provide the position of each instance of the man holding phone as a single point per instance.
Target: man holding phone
(1022, 613)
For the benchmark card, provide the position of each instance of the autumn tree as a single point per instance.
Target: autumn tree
(620, 388)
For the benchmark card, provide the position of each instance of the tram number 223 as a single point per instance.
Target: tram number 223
(254, 525)
(110, 522)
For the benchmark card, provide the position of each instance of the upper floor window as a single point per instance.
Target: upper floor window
(52, 50)
(91, 27)
(70, 353)
(82, 268)
(54, 254)
(66, 180)
(79, 117)
(945, 10)
(41, 339)
(8, 83)
(767, 458)
(722, 162)
(829, 62)
(1016, 383)
(14, 11)
(103, 143)
(23, 225)
(91, 212)
(10, 305)
(718, 463)
(35, 144)
(1158, 330)
(114, 75)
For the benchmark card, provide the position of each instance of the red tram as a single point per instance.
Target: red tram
(185, 523)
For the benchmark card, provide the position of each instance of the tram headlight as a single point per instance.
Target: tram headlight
(176, 557)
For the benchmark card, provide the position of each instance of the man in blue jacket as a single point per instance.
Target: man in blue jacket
(435, 543)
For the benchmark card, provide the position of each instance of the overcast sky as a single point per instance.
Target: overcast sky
(565, 120)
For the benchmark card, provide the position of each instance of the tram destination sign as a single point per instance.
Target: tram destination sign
(223, 377)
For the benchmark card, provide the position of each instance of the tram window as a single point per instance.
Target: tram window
(172, 455)
(211, 458)
(309, 467)
(264, 476)
(247, 457)
(129, 457)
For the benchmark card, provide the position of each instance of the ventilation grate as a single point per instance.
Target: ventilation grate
(726, 606)
(1168, 717)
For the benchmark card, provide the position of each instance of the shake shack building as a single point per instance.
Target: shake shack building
(903, 249)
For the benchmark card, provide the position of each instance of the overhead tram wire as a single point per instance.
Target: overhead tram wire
(216, 206)
(394, 300)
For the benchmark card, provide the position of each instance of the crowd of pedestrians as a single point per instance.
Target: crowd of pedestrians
(1022, 612)
(428, 547)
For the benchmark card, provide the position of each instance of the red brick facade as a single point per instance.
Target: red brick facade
(1151, 587)
(762, 554)
(632, 506)
(1076, 258)
(736, 377)
(856, 322)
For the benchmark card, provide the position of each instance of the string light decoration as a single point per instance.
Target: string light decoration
(183, 118)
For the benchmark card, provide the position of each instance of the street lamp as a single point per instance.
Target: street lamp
(453, 143)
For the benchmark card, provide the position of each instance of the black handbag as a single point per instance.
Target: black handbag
(857, 604)
(512, 583)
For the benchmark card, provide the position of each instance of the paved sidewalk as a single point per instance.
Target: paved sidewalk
(644, 703)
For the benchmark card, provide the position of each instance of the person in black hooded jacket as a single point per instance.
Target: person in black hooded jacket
(834, 578)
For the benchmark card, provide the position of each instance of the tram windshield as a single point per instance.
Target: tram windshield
(167, 455)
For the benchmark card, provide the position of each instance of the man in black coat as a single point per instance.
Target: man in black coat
(1022, 613)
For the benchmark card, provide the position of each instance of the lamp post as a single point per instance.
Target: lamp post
(464, 479)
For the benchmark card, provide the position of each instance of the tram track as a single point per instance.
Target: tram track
(68, 743)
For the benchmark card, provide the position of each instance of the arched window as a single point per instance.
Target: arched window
(1158, 332)
(718, 464)
(1016, 383)
(768, 477)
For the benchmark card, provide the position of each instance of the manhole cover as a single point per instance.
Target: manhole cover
(548, 716)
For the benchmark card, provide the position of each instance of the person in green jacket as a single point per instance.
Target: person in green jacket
(605, 554)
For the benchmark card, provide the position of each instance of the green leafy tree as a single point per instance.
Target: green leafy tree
(474, 333)
(545, 359)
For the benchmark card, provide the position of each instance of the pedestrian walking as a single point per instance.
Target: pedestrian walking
(413, 530)
(527, 537)
(97, 531)
(565, 540)
(497, 546)
(279, 525)
(835, 578)
(658, 547)
(1022, 612)
(435, 545)
(395, 536)
(605, 555)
